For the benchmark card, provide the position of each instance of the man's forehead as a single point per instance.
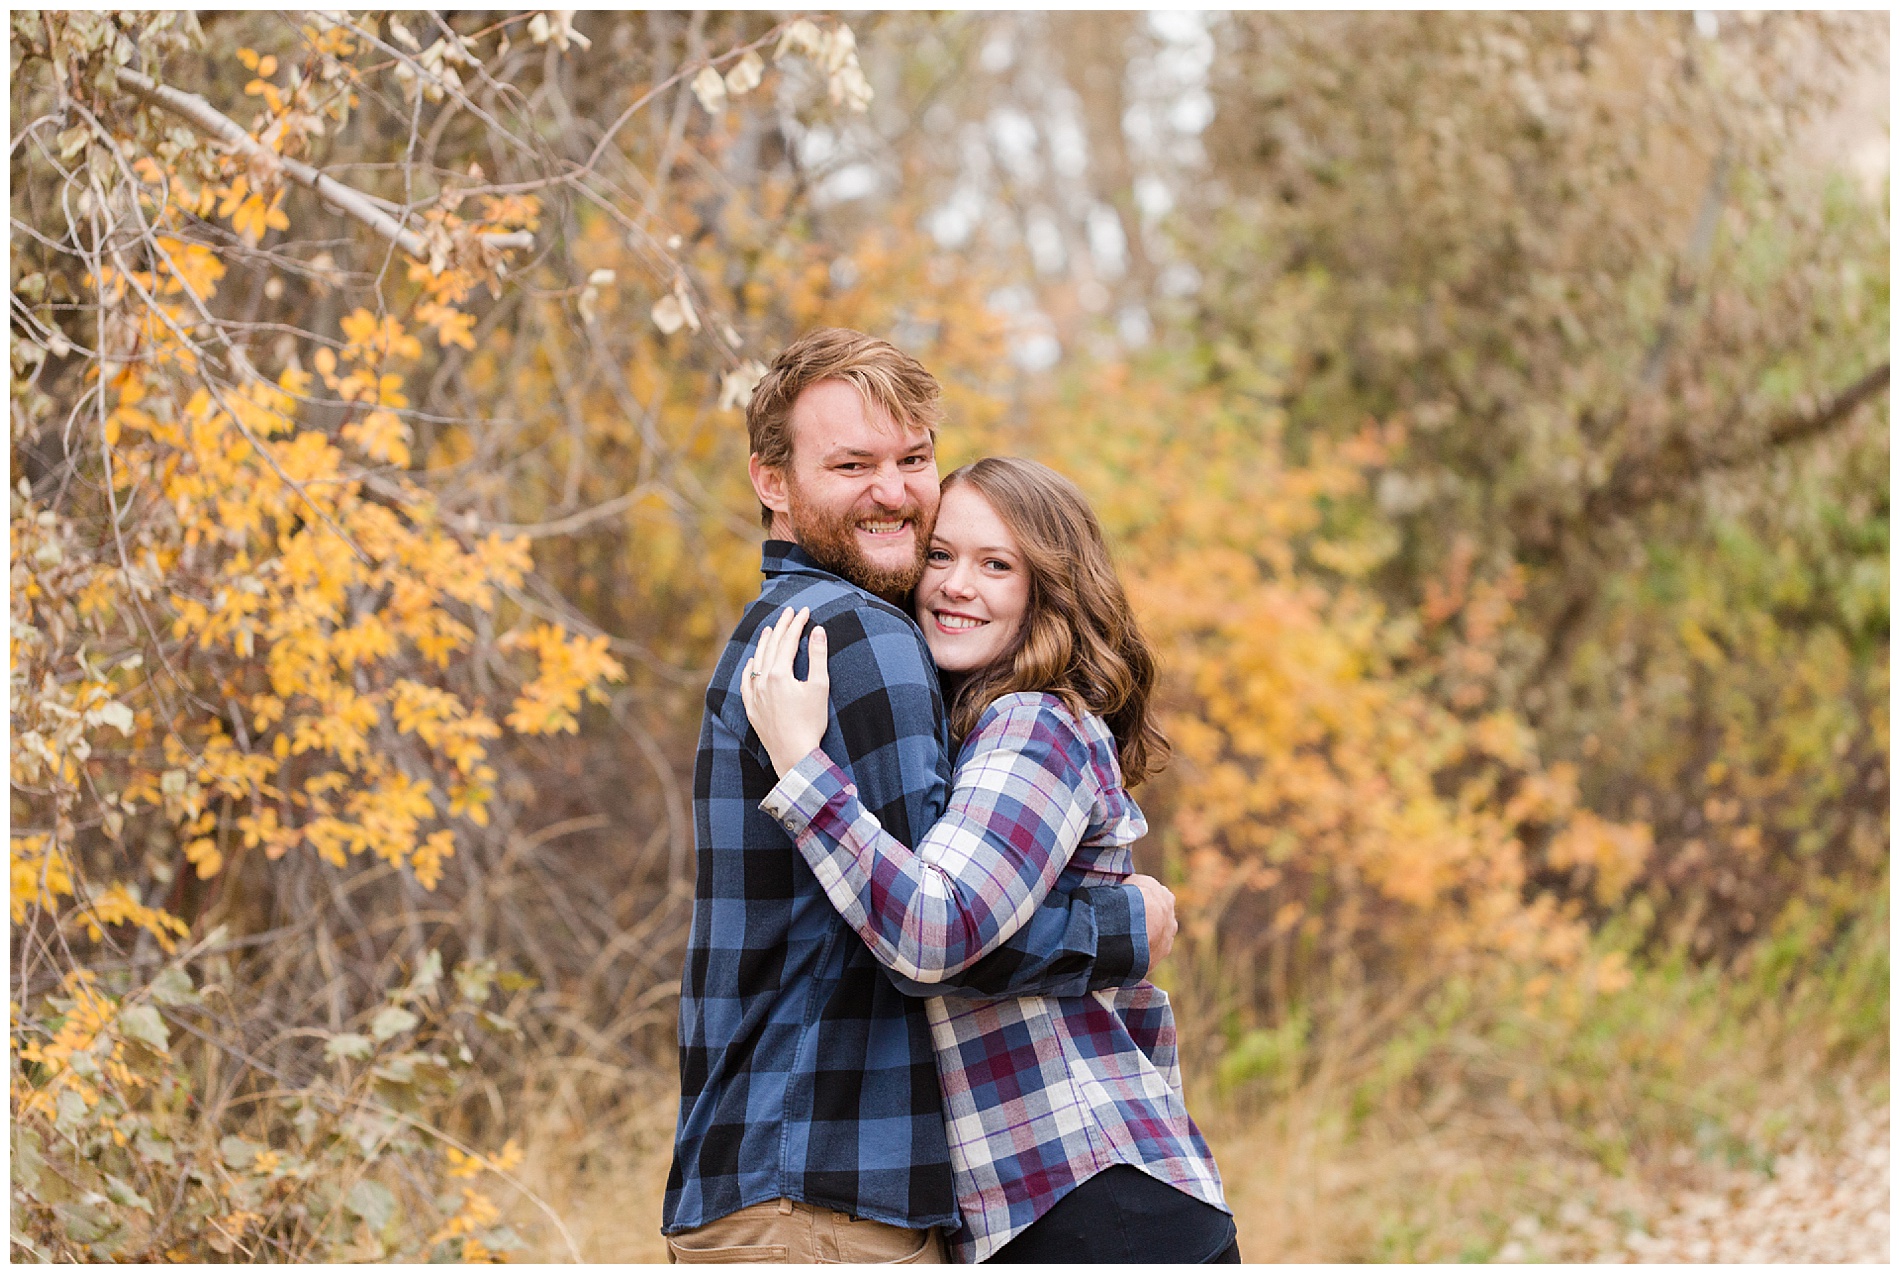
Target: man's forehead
(875, 440)
(833, 415)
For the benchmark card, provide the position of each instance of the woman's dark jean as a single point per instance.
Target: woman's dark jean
(1123, 1214)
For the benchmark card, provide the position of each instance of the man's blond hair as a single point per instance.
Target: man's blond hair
(886, 378)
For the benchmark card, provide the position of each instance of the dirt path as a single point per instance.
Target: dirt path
(1820, 1206)
(1816, 1208)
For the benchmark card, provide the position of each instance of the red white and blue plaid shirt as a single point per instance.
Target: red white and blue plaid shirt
(1041, 1092)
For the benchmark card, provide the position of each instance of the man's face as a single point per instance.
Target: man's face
(861, 492)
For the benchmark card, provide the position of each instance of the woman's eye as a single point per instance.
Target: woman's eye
(938, 556)
(997, 564)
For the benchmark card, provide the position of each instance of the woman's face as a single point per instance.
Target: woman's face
(975, 588)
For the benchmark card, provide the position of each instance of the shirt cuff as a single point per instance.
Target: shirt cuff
(1121, 935)
(804, 792)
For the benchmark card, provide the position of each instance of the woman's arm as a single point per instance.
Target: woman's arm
(1090, 939)
(1020, 805)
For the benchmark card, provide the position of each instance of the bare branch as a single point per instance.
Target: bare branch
(1639, 481)
(1800, 428)
(201, 115)
(574, 521)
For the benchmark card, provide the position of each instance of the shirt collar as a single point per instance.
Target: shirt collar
(783, 557)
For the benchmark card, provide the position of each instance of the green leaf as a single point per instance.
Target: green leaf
(391, 1021)
(370, 1129)
(123, 1194)
(26, 1160)
(372, 1201)
(348, 1044)
(72, 141)
(475, 980)
(114, 714)
(400, 1069)
(238, 1152)
(173, 986)
(142, 1023)
(305, 1121)
(503, 1239)
(86, 1222)
(70, 1111)
(426, 977)
(154, 1147)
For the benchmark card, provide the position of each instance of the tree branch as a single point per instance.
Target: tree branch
(1639, 481)
(1801, 428)
(1688, 274)
(206, 118)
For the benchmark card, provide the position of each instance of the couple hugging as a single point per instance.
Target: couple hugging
(914, 1007)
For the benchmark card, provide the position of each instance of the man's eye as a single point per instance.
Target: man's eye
(916, 462)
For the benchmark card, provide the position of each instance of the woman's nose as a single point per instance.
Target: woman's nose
(958, 582)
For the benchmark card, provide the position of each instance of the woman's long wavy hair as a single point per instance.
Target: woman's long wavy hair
(1078, 639)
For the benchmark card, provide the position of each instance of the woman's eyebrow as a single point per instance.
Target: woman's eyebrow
(938, 539)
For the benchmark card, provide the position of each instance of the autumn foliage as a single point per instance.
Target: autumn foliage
(1506, 497)
(244, 628)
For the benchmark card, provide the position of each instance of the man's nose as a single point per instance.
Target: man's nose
(887, 488)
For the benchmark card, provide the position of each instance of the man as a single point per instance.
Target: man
(811, 1124)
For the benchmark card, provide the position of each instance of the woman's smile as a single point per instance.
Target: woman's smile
(951, 622)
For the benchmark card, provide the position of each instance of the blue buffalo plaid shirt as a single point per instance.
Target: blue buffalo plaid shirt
(807, 1069)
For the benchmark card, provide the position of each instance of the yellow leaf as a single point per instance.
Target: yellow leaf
(234, 196)
(381, 435)
(429, 857)
(204, 853)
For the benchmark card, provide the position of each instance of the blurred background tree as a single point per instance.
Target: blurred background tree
(1489, 412)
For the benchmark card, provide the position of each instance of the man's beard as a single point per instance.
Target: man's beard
(832, 542)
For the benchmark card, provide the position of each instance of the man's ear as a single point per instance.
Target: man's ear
(768, 483)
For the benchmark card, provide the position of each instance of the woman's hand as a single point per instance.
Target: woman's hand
(790, 715)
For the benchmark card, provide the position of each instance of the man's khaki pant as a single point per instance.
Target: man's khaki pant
(797, 1233)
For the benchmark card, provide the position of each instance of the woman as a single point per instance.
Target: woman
(1067, 1128)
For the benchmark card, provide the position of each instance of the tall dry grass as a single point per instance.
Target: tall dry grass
(1494, 1117)
(598, 1148)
